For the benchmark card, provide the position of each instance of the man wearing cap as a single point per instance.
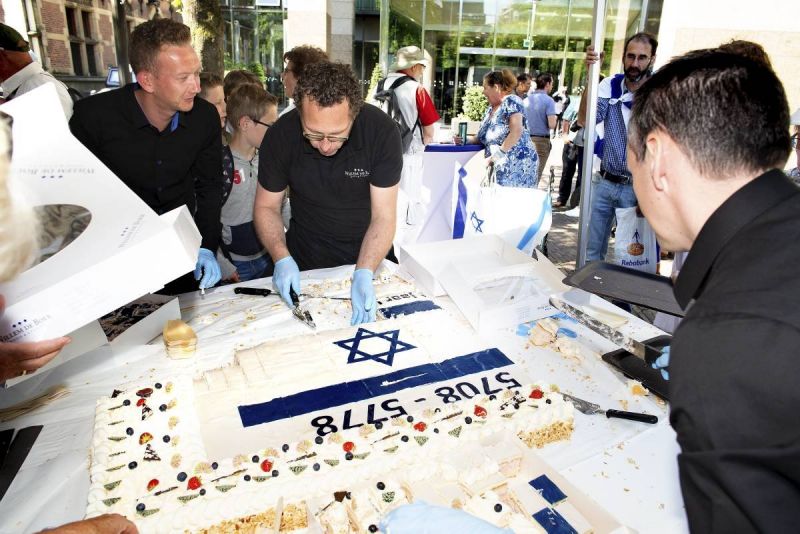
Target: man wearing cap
(419, 113)
(342, 160)
(19, 73)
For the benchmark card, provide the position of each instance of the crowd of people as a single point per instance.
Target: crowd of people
(698, 146)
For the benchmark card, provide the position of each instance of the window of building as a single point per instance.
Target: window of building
(82, 43)
(468, 38)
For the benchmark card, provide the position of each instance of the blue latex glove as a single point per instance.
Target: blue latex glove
(362, 297)
(208, 267)
(423, 518)
(286, 275)
(662, 362)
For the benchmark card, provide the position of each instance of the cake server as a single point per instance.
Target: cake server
(637, 348)
(590, 408)
(302, 315)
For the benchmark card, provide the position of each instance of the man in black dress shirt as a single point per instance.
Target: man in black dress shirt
(707, 137)
(160, 138)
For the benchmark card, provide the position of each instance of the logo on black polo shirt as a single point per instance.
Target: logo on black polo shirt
(357, 174)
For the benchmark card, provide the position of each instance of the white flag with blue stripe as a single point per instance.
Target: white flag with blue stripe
(522, 216)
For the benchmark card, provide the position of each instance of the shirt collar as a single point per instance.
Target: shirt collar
(18, 78)
(738, 211)
(137, 116)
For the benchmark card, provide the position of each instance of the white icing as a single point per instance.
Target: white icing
(264, 368)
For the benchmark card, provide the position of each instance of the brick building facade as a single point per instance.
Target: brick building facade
(74, 39)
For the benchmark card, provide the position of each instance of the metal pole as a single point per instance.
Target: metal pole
(643, 15)
(456, 112)
(592, 78)
(563, 72)
(383, 46)
(121, 37)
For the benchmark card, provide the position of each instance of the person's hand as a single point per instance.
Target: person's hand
(102, 524)
(286, 275)
(423, 518)
(592, 57)
(362, 297)
(458, 140)
(208, 268)
(17, 359)
(662, 363)
(498, 155)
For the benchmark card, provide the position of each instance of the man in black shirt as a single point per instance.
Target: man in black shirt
(341, 159)
(160, 138)
(707, 137)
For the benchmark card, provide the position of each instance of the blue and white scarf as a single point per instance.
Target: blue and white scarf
(611, 89)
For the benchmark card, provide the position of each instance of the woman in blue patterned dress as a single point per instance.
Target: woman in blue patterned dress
(504, 133)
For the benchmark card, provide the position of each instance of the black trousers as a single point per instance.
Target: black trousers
(568, 167)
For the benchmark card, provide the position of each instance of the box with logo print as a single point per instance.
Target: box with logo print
(102, 246)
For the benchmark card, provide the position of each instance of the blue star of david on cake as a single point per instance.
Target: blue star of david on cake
(386, 357)
(476, 222)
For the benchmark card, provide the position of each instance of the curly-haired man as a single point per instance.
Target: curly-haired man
(160, 138)
(296, 60)
(341, 159)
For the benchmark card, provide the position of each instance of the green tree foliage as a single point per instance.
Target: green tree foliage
(475, 103)
(377, 74)
(258, 70)
(204, 19)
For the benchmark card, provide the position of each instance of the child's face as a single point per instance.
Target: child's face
(255, 133)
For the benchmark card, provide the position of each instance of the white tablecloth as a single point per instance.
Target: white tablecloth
(627, 467)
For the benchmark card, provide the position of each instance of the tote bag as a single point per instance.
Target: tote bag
(522, 216)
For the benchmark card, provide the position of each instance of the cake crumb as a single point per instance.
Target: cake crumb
(636, 388)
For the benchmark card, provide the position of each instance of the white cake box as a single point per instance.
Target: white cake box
(427, 262)
(150, 327)
(124, 252)
(498, 298)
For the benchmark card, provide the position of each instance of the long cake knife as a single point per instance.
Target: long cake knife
(637, 348)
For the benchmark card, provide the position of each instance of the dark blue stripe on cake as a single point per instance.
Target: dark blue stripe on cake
(390, 312)
(550, 492)
(344, 393)
(553, 522)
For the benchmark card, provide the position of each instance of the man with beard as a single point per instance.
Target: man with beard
(614, 101)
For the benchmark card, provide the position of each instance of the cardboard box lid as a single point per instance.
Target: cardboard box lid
(125, 251)
(427, 262)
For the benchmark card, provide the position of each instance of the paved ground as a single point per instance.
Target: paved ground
(562, 240)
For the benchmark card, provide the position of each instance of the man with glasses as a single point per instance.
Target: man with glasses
(161, 139)
(615, 96)
(342, 160)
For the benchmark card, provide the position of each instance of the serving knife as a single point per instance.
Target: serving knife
(264, 292)
(637, 348)
(590, 408)
(302, 315)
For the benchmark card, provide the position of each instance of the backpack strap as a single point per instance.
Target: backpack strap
(400, 81)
